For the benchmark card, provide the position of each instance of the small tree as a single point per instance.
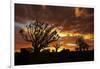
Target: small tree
(57, 45)
(82, 44)
(39, 34)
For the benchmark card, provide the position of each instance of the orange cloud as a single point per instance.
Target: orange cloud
(77, 12)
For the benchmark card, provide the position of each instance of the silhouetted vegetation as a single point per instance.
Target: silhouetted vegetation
(82, 44)
(57, 46)
(39, 34)
(26, 57)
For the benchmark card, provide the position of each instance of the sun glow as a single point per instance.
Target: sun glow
(89, 36)
(59, 49)
(62, 35)
(67, 34)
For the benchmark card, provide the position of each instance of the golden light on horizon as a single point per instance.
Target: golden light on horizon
(59, 49)
(68, 34)
(89, 36)
(62, 35)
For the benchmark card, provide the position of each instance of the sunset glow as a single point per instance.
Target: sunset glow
(53, 34)
(70, 23)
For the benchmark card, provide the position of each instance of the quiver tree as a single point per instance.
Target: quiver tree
(39, 34)
(57, 45)
(82, 44)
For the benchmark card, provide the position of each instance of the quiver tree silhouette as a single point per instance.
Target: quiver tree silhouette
(83, 46)
(39, 34)
(57, 45)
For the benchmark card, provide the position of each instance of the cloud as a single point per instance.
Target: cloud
(83, 12)
(68, 18)
(19, 25)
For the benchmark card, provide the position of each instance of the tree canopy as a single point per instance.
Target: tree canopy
(40, 34)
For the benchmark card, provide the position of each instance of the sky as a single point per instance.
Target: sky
(68, 19)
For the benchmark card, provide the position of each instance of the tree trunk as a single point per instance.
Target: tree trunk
(56, 49)
(36, 49)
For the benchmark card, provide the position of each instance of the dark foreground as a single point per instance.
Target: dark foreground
(26, 58)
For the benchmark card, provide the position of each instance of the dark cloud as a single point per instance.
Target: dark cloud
(78, 19)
